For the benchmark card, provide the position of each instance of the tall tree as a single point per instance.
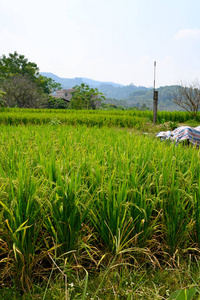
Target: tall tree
(20, 79)
(22, 92)
(16, 64)
(47, 85)
(85, 97)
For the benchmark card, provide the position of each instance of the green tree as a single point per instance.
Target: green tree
(22, 92)
(85, 97)
(56, 103)
(20, 78)
(47, 85)
(17, 64)
(144, 107)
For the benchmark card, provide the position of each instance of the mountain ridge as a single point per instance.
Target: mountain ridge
(126, 96)
(108, 88)
(88, 81)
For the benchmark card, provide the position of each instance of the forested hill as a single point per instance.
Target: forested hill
(141, 95)
(109, 89)
(165, 98)
(126, 96)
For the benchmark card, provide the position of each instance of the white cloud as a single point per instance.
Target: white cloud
(187, 33)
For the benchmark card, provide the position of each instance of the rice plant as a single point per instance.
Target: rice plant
(130, 119)
(84, 188)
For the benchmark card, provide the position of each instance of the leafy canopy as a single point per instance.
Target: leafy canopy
(20, 91)
(85, 97)
(16, 64)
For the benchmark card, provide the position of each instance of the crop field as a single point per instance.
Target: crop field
(129, 119)
(86, 200)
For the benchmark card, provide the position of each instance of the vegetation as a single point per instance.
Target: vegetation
(85, 97)
(165, 98)
(57, 103)
(130, 119)
(20, 91)
(22, 84)
(109, 89)
(188, 97)
(89, 212)
(16, 64)
(140, 97)
(126, 96)
(2, 102)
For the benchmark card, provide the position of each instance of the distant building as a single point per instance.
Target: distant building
(65, 94)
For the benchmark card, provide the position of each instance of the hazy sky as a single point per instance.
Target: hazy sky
(107, 40)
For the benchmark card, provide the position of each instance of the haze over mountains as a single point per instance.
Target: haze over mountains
(119, 94)
(109, 89)
(68, 83)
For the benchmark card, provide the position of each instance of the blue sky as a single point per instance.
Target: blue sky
(107, 40)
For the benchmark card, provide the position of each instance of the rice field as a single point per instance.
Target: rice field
(127, 119)
(66, 188)
(83, 197)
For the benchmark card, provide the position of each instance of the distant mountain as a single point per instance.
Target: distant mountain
(96, 83)
(142, 96)
(126, 96)
(70, 82)
(66, 83)
(120, 92)
(109, 89)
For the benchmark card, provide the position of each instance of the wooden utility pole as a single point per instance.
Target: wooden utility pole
(155, 96)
